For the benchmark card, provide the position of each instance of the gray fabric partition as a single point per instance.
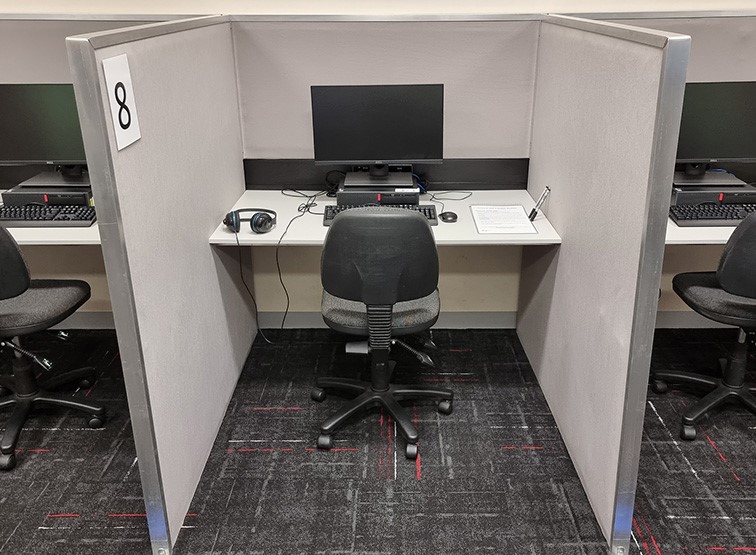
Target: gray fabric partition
(184, 325)
(487, 68)
(38, 45)
(722, 47)
(603, 139)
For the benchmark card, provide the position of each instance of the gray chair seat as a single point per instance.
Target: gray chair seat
(702, 292)
(408, 317)
(45, 303)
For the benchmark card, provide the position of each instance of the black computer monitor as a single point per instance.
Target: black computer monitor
(378, 125)
(39, 124)
(718, 123)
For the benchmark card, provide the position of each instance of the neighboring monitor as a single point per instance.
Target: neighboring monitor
(378, 125)
(718, 125)
(39, 124)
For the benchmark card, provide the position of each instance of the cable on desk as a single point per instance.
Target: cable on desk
(435, 198)
(420, 183)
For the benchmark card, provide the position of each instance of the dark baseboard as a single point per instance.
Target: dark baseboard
(454, 174)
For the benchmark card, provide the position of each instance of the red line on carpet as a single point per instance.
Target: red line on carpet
(721, 456)
(651, 536)
(637, 528)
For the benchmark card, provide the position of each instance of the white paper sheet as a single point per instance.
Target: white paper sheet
(502, 219)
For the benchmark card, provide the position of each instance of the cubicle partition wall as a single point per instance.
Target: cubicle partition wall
(184, 326)
(37, 43)
(486, 67)
(604, 138)
(593, 105)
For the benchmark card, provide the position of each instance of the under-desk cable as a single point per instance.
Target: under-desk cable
(304, 208)
(251, 296)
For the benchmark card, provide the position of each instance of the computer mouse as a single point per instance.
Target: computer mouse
(448, 217)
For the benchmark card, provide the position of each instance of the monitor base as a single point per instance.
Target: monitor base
(707, 179)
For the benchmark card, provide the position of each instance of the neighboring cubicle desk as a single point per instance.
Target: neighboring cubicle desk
(33, 47)
(578, 98)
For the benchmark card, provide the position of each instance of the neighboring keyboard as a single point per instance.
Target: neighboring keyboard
(427, 210)
(710, 215)
(47, 216)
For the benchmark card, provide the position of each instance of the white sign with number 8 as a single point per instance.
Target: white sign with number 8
(122, 103)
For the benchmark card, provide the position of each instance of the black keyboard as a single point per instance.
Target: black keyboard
(33, 215)
(427, 210)
(709, 215)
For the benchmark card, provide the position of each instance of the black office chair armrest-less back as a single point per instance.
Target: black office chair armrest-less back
(379, 271)
(28, 306)
(727, 296)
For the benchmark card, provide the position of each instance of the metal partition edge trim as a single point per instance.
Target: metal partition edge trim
(639, 35)
(702, 14)
(90, 17)
(88, 94)
(669, 109)
(398, 18)
(112, 37)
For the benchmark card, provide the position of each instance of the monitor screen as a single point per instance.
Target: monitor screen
(374, 124)
(39, 124)
(718, 122)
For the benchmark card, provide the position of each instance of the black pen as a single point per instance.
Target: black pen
(534, 212)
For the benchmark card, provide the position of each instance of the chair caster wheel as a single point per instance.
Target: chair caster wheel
(8, 462)
(411, 451)
(324, 441)
(659, 386)
(96, 422)
(688, 433)
(445, 406)
(86, 383)
(317, 394)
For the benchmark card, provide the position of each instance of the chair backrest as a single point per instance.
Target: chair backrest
(737, 267)
(14, 274)
(379, 256)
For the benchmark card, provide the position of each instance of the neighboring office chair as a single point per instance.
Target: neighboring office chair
(379, 270)
(28, 306)
(727, 296)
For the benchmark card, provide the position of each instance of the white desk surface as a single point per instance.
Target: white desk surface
(56, 235)
(309, 229)
(697, 235)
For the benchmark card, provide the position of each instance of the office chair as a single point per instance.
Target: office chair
(28, 306)
(727, 296)
(379, 271)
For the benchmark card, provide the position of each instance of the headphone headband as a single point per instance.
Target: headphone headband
(271, 212)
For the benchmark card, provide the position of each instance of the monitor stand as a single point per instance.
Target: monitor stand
(707, 179)
(379, 176)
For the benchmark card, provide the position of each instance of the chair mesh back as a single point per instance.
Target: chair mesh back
(737, 267)
(379, 256)
(14, 275)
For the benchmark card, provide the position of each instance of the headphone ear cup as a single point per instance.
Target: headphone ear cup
(261, 222)
(232, 221)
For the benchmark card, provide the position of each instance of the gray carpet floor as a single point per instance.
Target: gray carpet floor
(493, 477)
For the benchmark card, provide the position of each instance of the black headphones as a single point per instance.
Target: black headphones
(262, 221)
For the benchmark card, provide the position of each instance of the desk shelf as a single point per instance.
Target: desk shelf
(310, 231)
(677, 235)
(56, 235)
